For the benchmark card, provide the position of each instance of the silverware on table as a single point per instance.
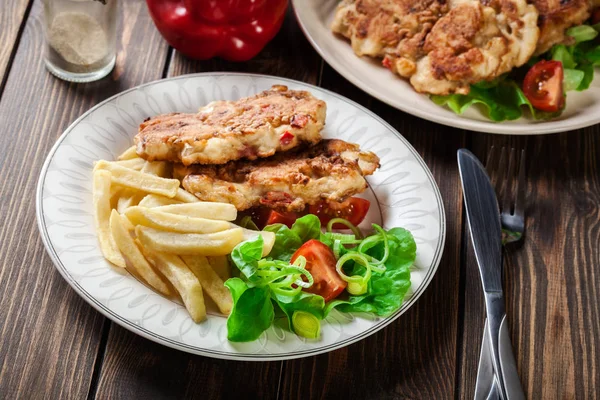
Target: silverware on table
(512, 218)
(486, 234)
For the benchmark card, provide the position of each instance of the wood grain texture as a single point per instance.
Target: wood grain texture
(552, 281)
(11, 19)
(415, 356)
(49, 335)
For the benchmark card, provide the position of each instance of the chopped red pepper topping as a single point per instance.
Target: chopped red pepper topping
(387, 63)
(286, 138)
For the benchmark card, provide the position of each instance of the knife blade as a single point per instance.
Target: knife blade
(483, 217)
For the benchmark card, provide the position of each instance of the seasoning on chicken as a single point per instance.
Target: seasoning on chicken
(254, 127)
(331, 170)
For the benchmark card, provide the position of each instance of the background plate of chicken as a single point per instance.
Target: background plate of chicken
(151, 206)
(500, 66)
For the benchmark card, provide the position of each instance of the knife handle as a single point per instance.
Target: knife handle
(496, 313)
(510, 375)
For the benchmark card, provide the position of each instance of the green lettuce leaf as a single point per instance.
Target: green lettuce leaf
(286, 242)
(252, 311)
(386, 291)
(246, 256)
(307, 227)
(307, 302)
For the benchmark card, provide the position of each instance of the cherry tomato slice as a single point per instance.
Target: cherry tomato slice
(285, 218)
(263, 216)
(543, 86)
(320, 262)
(354, 210)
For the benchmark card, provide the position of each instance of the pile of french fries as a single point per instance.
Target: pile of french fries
(163, 235)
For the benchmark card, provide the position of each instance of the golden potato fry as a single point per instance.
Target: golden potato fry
(154, 200)
(101, 201)
(137, 264)
(139, 180)
(184, 281)
(129, 154)
(129, 200)
(203, 209)
(210, 281)
(133, 163)
(173, 222)
(186, 197)
(220, 264)
(268, 239)
(158, 168)
(206, 244)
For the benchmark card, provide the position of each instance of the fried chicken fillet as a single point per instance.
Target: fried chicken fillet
(441, 46)
(397, 28)
(331, 170)
(254, 127)
(556, 16)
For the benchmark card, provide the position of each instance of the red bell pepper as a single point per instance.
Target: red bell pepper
(236, 30)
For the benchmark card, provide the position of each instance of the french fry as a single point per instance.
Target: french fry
(206, 244)
(101, 200)
(210, 281)
(186, 197)
(139, 180)
(133, 163)
(154, 200)
(128, 154)
(158, 168)
(184, 281)
(268, 239)
(153, 218)
(129, 199)
(220, 264)
(203, 209)
(137, 265)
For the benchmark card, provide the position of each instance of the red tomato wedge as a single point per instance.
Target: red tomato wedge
(263, 216)
(354, 210)
(285, 218)
(543, 86)
(320, 262)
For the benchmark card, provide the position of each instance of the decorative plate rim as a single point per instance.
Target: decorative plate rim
(535, 128)
(148, 334)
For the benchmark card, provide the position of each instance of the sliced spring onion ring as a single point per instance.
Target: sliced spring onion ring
(357, 284)
(284, 278)
(342, 237)
(350, 225)
(306, 325)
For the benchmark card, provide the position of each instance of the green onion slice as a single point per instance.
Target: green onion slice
(348, 224)
(306, 325)
(357, 284)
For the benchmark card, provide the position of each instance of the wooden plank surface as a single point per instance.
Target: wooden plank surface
(54, 345)
(552, 281)
(12, 18)
(49, 336)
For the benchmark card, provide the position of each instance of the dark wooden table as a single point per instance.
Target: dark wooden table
(54, 345)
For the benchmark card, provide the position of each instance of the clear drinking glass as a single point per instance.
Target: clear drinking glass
(80, 38)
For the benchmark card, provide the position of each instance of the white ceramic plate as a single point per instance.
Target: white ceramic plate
(403, 193)
(315, 16)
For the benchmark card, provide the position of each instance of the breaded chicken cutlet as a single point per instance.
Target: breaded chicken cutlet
(556, 16)
(254, 127)
(331, 170)
(444, 46)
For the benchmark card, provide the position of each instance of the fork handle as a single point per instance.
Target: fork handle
(502, 357)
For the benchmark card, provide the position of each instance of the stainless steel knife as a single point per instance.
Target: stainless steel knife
(484, 224)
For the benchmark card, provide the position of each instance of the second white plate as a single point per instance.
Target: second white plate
(315, 16)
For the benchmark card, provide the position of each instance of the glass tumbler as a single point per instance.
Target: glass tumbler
(80, 38)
